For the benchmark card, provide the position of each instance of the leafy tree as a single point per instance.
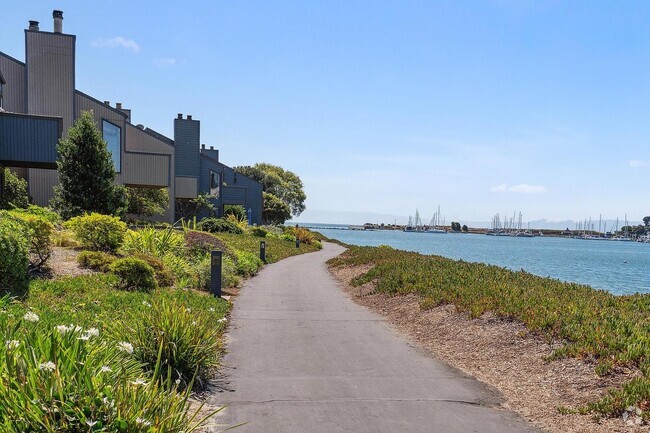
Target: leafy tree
(235, 209)
(646, 221)
(455, 226)
(147, 201)
(15, 191)
(190, 208)
(465, 228)
(86, 173)
(275, 210)
(282, 183)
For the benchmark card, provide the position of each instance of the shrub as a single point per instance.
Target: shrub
(287, 237)
(248, 264)
(68, 379)
(157, 243)
(187, 340)
(134, 274)
(14, 258)
(98, 232)
(15, 191)
(65, 238)
(39, 235)
(219, 225)
(241, 223)
(164, 277)
(95, 260)
(46, 213)
(229, 277)
(259, 232)
(235, 209)
(199, 244)
(304, 235)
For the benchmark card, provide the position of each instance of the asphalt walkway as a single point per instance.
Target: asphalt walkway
(304, 358)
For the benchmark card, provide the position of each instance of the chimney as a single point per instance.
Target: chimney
(211, 147)
(140, 126)
(118, 105)
(180, 116)
(58, 21)
(107, 102)
(203, 146)
(189, 117)
(33, 25)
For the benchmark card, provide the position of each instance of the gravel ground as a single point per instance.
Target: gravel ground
(502, 354)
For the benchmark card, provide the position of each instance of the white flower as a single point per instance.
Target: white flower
(12, 344)
(188, 309)
(92, 332)
(143, 422)
(211, 309)
(84, 337)
(91, 423)
(223, 319)
(139, 381)
(31, 317)
(125, 347)
(146, 304)
(194, 322)
(47, 366)
(105, 369)
(62, 329)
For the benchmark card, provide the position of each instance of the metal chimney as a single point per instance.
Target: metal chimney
(58, 21)
(33, 25)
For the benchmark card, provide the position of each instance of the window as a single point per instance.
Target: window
(215, 184)
(113, 138)
(0, 93)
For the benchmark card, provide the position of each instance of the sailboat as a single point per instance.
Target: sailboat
(435, 225)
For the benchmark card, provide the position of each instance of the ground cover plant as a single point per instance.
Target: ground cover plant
(613, 330)
(276, 248)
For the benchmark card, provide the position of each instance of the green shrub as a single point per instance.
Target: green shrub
(14, 258)
(235, 209)
(46, 213)
(134, 274)
(95, 260)
(164, 277)
(219, 225)
(188, 340)
(198, 244)
(287, 237)
(259, 232)
(152, 241)
(248, 264)
(39, 233)
(67, 379)
(229, 277)
(15, 191)
(98, 232)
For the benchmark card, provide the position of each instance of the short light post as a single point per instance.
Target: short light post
(263, 251)
(297, 243)
(215, 272)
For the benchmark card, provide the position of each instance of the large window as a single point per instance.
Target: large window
(113, 138)
(215, 184)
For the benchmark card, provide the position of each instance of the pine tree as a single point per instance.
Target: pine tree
(86, 173)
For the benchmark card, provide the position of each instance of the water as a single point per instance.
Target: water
(618, 267)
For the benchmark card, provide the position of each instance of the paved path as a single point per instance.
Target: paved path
(304, 358)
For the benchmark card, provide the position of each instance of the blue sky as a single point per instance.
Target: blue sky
(479, 106)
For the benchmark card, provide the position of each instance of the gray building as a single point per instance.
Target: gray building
(39, 102)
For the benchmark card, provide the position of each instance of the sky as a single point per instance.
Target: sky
(384, 107)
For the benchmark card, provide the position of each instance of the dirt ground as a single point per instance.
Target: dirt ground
(63, 263)
(503, 355)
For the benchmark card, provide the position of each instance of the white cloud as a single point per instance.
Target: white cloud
(636, 163)
(522, 188)
(165, 61)
(116, 42)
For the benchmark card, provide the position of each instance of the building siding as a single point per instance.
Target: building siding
(186, 187)
(156, 174)
(41, 185)
(15, 91)
(29, 141)
(50, 75)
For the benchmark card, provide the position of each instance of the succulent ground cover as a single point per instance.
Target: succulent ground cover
(613, 330)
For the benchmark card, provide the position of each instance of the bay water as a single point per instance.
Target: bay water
(621, 268)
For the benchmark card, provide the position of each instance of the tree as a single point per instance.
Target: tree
(465, 228)
(190, 208)
(147, 201)
(235, 209)
(282, 183)
(86, 173)
(275, 210)
(15, 190)
(646, 221)
(455, 226)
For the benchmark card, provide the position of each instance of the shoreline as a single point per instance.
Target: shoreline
(501, 353)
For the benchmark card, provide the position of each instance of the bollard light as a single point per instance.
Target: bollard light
(297, 243)
(215, 272)
(263, 251)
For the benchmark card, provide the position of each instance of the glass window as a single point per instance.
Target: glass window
(215, 184)
(0, 94)
(113, 139)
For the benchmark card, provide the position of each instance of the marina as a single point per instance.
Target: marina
(618, 267)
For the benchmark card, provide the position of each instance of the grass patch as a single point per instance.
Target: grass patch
(614, 330)
(276, 249)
